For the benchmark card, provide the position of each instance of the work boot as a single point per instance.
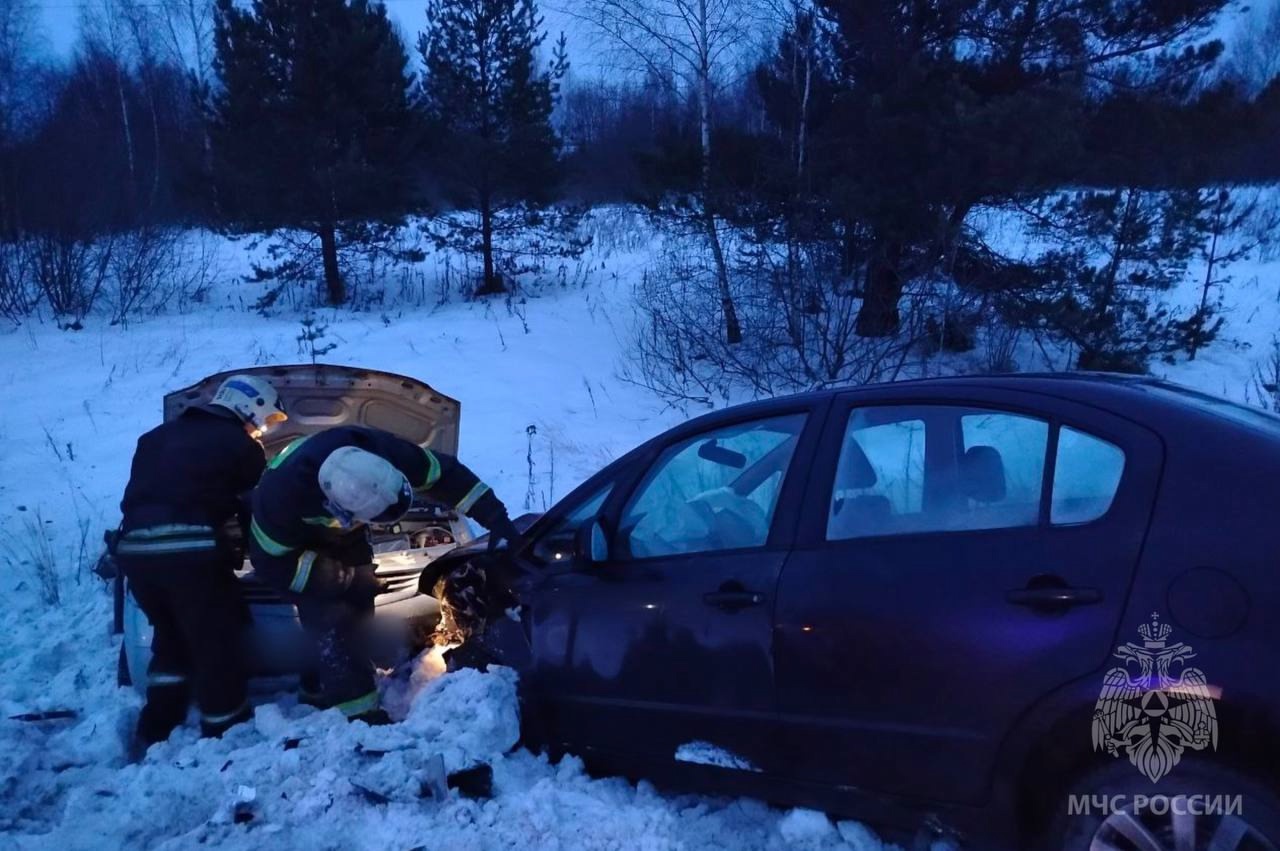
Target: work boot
(165, 709)
(374, 718)
(310, 692)
(213, 726)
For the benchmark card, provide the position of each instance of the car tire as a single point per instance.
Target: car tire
(1221, 810)
(123, 678)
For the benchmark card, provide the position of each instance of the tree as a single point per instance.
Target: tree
(186, 34)
(18, 61)
(491, 108)
(313, 127)
(1098, 288)
(948, 104)
(691, 41)
(1255, 48)
(1217, 222)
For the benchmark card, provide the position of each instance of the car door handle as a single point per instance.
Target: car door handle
(732, 600)
(1054, 597)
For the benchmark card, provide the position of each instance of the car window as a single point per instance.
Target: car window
(895, 453)
(1086, 476)
(716, 491)
(556, 544)
(930, 468)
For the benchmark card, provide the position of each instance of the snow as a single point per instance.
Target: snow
(299, 778)
(75, 402)
(705, 753)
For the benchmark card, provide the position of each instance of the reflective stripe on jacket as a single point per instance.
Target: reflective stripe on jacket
(167, 539)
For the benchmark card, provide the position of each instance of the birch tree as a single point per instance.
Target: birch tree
(693, 42)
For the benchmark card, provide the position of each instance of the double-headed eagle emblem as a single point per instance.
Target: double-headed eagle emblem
(1154, 706)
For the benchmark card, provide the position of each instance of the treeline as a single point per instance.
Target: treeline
(825, 157)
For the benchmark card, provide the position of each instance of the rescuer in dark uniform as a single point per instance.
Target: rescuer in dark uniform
(309, 538)
(186, 485)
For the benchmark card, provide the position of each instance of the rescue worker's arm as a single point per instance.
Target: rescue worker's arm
(446, 479)
(282, 560)
(249, 467)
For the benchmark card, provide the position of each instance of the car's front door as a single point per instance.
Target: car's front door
(958, 560)
(668, 640)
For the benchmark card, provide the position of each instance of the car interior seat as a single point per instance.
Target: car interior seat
(982, 475)
(984, 483)
(854, 515)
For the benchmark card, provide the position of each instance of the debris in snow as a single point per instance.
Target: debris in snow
(705, 753)
(476, 783)
(241, 809)
(370, 795)
(434, 784)
(49, 715)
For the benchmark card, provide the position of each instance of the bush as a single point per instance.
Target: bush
(147, 271)
(69, 273)
(16, 298)
(797, 315)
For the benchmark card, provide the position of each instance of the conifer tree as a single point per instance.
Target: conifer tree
(488, 111)
(313, 127)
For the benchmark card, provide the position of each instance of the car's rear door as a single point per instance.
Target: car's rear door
(960, 556)
(669, 640)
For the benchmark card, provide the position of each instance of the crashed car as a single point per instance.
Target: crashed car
(1023, 612)
(318, 397)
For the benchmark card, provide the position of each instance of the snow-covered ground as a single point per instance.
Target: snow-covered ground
(73, 403)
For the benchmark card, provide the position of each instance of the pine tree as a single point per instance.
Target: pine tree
(947, 105)
(1100, 286)
(489, 109)
(313, 127)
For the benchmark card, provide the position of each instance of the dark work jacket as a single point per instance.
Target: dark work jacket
(191, 471)
(297, 545)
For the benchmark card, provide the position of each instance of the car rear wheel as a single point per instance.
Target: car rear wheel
(1197, 807)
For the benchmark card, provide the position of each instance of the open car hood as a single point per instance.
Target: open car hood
(320, 396)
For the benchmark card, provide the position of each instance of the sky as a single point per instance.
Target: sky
(60, 25)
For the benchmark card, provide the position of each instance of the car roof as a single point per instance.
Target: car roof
(1145, 399)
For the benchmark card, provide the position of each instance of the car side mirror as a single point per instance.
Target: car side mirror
(591, 543)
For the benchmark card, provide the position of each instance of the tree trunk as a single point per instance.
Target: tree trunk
(802, 132)
(879, 316)
(1211, 259)
(128, 137)
(492, 283)
(335, 288)
(155, 142)
(732, 329)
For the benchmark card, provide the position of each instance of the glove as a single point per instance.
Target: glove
(363, 587)
(490, 513)
(504, 530)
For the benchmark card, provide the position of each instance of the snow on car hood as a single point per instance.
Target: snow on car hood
(321, 396)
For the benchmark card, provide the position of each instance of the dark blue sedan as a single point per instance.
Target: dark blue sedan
(1025, 611)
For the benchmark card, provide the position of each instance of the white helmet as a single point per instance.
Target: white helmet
(362, 486)
(252, 399)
